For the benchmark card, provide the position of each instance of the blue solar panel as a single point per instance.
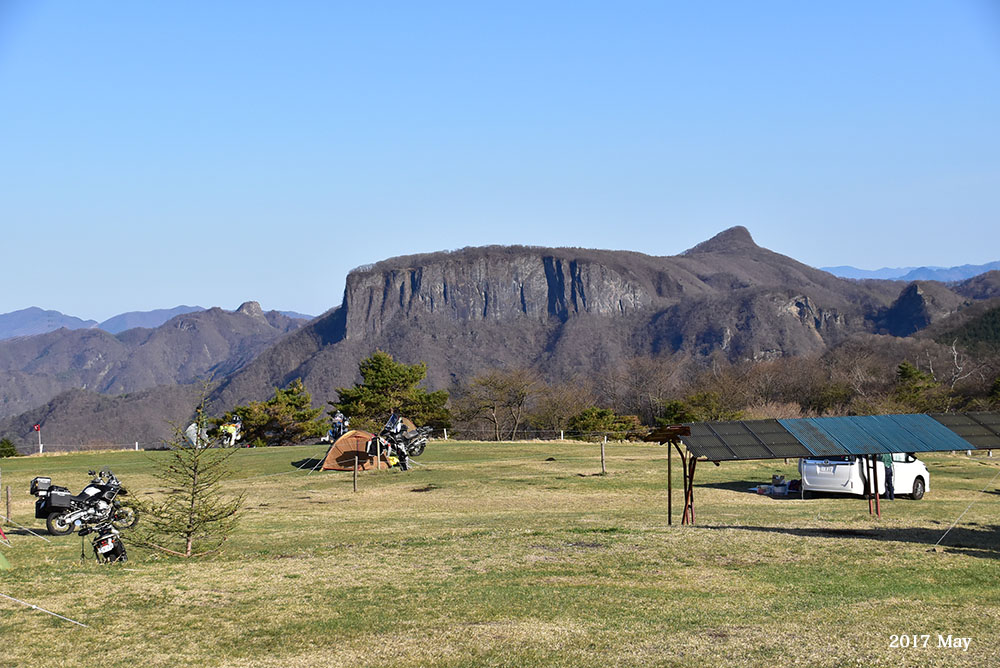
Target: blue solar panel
(840, 436)
(874, 434)
(816, 439)
(935, 436)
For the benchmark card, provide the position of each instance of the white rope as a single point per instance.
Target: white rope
(974, 499)
(48, 612)
(20, 526)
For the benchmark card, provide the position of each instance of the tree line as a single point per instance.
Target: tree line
(860, 377)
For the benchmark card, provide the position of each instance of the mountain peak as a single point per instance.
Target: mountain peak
(733, 240)
(251, 308)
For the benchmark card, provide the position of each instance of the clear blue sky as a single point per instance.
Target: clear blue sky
(160, 153)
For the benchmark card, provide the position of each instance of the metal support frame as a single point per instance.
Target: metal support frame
(688, 463)
(670, 436)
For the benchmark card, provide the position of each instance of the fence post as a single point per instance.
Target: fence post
(137, 446)
(355, 473)
(561, 436)
(7, 516)
(604, 470)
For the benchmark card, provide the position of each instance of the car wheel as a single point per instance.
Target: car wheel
(918, 489)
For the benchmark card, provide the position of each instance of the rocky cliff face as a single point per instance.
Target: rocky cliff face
(487, 288)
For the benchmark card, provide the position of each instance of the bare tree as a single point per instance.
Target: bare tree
(500, 398)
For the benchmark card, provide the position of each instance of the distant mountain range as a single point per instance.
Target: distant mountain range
(943, 274)
(33, 320)
(187, 348)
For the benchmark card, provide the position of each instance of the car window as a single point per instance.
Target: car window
(900, 457)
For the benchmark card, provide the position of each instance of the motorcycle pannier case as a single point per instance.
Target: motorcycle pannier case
(60, 500)
(40, 484)
(56, 502)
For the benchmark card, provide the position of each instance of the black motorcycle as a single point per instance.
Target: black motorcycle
(107, 541)
(97, 503)
(399, 444)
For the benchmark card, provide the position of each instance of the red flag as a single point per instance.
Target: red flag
(38, 427)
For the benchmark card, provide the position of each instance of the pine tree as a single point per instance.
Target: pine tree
(387, 384)
(196, 516)
(7, 448)
(284, 419)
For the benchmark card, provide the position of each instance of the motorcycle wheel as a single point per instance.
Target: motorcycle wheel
(56, 526)
(125, 518)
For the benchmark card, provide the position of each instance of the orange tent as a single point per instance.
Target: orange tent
(341, 455)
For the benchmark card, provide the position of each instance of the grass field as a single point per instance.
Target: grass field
(491, 555)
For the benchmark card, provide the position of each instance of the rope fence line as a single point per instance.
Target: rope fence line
(21, 526)
(484, 435)
(974, 499)
(41, 609)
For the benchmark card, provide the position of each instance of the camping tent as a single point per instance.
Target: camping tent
(341, 455)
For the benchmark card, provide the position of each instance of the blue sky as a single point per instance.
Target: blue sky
(154, 154)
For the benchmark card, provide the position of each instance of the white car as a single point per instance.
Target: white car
(846, 475)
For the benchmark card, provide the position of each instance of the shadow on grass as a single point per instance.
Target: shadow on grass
(750, 487)
(983, 542)
(309, 463)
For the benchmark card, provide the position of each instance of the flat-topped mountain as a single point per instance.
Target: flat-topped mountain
(569, 311)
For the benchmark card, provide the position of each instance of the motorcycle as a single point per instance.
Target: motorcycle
(97, 503)
(399, 444)
(107, 541)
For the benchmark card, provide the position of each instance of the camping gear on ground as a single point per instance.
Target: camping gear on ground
(97, 503)
(107, 541)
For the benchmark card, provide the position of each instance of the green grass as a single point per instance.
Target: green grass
(490, 555)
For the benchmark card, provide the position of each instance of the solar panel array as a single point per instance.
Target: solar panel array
(840, 436)
(982, 430)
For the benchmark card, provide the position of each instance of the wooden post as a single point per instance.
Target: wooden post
(875, 460)
(604, 470)
(355, 473)
(670, 489)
